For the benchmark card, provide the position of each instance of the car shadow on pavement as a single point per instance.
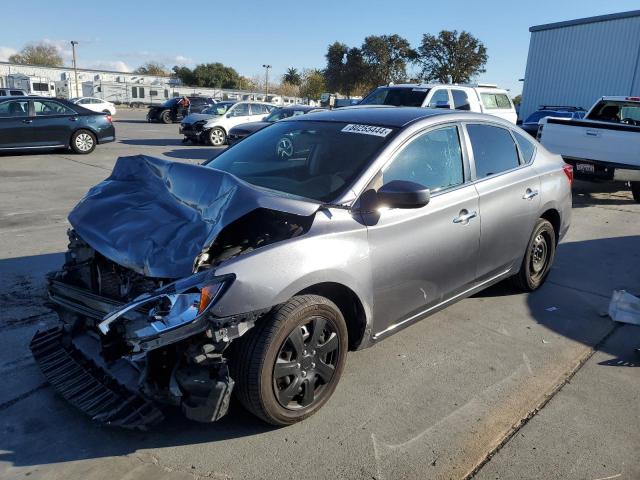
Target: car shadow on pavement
(41, 428)
(152, 142)
(589, 194)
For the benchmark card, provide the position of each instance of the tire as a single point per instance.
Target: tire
(83, 142)
(217, 137)
(538, 258)
(635, 190)
(165, 117)
(305, 381)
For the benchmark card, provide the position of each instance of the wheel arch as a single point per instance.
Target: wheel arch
(553, 217)
(349, 304)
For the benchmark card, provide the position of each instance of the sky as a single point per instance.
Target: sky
(121, 35)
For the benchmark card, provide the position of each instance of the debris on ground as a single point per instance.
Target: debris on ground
(624, 307)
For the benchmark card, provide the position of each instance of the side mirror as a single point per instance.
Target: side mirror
(443, 104)
(403, 194)
(229, 115)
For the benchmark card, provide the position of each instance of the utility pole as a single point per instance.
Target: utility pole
(266, 80)
(75, 65)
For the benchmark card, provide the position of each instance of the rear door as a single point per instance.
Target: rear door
(16, 129)
(508, 189)
(53, 122)
(239, 113)
(423, 256)
(258, 112)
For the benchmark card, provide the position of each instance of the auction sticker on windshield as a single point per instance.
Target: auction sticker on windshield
(367, 130)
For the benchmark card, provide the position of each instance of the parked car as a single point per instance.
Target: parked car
(602, 146)
(372, 224)
(530, 125)
(484, 98)
(95, 104)
(241, 131)
(12, 92)
(44, 123)
(169, 112)
(220, 119)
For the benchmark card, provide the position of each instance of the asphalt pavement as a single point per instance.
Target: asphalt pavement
(501, 385)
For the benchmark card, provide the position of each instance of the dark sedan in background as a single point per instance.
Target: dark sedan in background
(44, 123)
(170, 111)
(530, 125)
(241, 131)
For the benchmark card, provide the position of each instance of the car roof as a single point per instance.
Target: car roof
(388, 116)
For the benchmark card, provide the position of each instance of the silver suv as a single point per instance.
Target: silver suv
(258, 270)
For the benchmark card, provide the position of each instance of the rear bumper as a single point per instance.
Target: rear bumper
(87, 385)
(604, 171)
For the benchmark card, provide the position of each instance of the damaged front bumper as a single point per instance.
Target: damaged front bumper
(121, 362)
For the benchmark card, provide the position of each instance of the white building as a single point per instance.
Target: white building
(576, 62)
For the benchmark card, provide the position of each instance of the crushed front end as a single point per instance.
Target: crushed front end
(127, 345)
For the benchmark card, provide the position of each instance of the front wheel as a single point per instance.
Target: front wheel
(217, 137)
(635, 190)
(166, 117)
(289, 365)
(538, 258)
(83, 141)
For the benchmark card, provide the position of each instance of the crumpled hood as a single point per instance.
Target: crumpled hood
(194, 117)
(155, 216)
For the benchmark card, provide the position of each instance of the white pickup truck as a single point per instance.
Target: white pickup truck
(604, 145)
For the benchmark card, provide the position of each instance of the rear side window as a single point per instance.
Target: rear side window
(527, 148)
(48, 107)
(432, 159)
(495, 101)
(460, 100)
(493, 149)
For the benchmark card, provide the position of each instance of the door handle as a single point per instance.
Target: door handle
(529, 194)
(465, 216)
(73, 119)
(27, 120)
(593, 133)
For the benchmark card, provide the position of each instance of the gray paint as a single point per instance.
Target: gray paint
(575, 63)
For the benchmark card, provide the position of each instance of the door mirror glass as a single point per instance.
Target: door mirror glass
(403, 194)
(442, 104)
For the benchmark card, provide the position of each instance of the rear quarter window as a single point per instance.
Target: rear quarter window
(492, 101)
(527, 148)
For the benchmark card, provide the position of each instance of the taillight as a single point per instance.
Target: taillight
(568, 171)
(109, 118)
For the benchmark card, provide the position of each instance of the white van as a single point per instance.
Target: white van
(483, 98)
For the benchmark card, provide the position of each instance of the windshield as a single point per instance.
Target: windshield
(535, 117)
(399, 97)
(316, 160)
(218, 109)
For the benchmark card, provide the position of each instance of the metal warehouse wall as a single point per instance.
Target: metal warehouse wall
(577, 64)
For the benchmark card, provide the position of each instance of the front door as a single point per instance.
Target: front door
(421, 257)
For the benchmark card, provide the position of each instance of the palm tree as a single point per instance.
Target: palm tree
(292, 76)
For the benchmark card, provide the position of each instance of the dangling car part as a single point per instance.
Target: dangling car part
(256, 272)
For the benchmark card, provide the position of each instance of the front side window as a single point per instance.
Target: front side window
(399, 96)
(240, 110)
(440, 99)
(432, 159)
(48, 107)
(460, 100)
(316, 160)
(493, 149)
(16, 108)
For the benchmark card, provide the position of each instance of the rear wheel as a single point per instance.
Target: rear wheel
(166, 116)
(83, 141)
(289, 365)
(217, 137)
(635, 190)
(538, 258)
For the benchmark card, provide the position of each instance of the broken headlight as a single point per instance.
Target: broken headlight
(173, 305)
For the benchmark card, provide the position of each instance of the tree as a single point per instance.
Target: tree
(152, 68)
(356, 79)
(451, 56)
(386, 58)
(313, 84)
(292, 77)
(38, 54)
(212, 75)
(288, 89)
(334, 73)
(517, 100)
